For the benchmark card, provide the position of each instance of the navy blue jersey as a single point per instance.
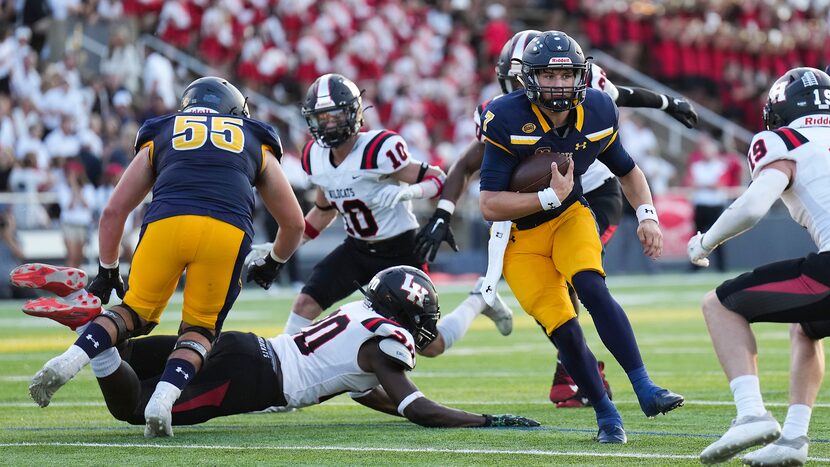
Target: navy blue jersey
(515, 128)
(206, 165)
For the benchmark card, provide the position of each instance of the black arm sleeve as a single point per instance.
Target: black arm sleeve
(638, 97)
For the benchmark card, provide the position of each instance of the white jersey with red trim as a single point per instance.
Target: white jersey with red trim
(806, 141)
(320, 361)
(351, 187)
(597, 173)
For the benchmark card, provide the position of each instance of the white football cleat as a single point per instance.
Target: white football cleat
(158, 414)
(54, 374)
(745, 432)
(499, 313)
(783, 452)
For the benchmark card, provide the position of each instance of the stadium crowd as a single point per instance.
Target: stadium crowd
(67, 127)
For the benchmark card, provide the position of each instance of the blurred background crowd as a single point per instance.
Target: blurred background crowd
(77, 79)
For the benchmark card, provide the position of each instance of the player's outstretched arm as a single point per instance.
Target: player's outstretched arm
(412, 404)
(279, 199)
(437, 229)
(744, 212)
(679, 108)
(319, 217)
(127, 195)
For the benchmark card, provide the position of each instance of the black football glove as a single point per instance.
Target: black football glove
(263, 271)
(103, 284)
(431, 235)
(500, 421)
(682, 111)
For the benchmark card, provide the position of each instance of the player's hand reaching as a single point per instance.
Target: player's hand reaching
(390, 195)
(508, 420)
(651, 237)
(698, 254)
(264, 270)
(682, 111)
(431, 235)
(104, 283)
(562, 184)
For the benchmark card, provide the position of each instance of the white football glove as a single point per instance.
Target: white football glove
(258, 251)
(390, 195)
(697, 252)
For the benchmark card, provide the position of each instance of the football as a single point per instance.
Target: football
(533, 172)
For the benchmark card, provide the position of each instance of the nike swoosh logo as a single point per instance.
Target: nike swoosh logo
(355, 177)
(437, 223)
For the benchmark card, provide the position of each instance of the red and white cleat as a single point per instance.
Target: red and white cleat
(70, 311)
(59, 280)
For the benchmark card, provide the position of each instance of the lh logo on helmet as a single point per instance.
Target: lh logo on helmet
(416, 292)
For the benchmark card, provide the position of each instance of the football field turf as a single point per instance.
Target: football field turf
(484, 373)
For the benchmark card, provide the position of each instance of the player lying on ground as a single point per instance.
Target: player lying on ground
(364, 348)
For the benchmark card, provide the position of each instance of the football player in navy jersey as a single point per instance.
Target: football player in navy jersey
(201, 164)
(600, 186)
(364, 348)
(553, 239)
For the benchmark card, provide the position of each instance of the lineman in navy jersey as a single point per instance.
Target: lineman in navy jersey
(358, 175)
(789, 161)
(201, 164)
(364, 348)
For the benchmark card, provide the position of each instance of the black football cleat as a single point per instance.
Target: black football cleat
(661, 401)
(611, 434)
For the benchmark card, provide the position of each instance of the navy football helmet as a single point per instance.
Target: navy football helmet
(554, 50)
(333, 110)
(800, 91)
(215, 94)
(509, 65)
(407, 296)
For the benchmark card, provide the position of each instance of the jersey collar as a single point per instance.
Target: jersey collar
(579, 119)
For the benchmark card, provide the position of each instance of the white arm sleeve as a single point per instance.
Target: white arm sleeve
(748, 209)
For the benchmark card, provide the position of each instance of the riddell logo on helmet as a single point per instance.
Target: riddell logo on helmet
(817, 120)
(559, 60)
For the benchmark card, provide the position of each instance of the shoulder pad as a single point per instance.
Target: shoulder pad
(600, 112)
(770, 146)
(385, 153)
(305, 158)
(267, 136)
(394, 349)
(147, 132)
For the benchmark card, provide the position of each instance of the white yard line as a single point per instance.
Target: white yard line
(527, 452)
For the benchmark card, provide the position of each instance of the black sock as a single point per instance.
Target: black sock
(178, 372)
(610, 320)
(94, 340)
(578, 359)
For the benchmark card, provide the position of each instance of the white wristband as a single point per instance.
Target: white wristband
(665, 103)
(548, 199)
(446, 205)
(647, 211)
(408, 400)
(110, 265)
(276, 258)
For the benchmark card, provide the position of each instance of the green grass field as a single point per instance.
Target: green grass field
(483, 373)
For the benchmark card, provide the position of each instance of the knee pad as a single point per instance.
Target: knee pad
(205, 332)
(121, 325)
(194, 347)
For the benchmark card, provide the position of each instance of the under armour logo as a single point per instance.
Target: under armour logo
(550, 205)
(513, 238)
(94, 342)
(499, 235)
(648, 211)
(581, 145)
(488, 289)
(184, 373)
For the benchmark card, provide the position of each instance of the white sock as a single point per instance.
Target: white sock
(168, 391)
(453, 326)
(105, 363)
(797, 422)
(295, 323)
(746, 390)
